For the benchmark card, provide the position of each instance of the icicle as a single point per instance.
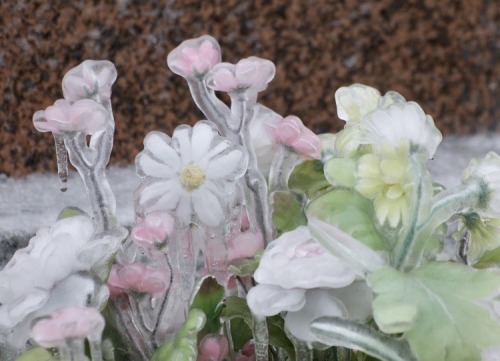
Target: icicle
(62, 161)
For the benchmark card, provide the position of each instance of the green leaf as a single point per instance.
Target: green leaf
(308, 178)
(36, 354)
(489, 259)
(288, 211)
(184, 345)
(277, 335)
(240, 332)
(208, 299)
(341, 172)
(439, 309)
(236, 307)
(69, 212)
(350, 212)
(243, 266)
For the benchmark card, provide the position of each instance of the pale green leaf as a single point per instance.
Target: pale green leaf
(341, 172)
(309, 178)
(350, 212)
(440, 308)
(36, 354)
(288, 211)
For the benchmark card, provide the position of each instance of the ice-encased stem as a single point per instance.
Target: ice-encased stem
(284, 162)
(90, 162)
(95, 348)
(302, 351)
(241, 114)
(62, 161)
(261, 338)
(72, 350)
(213, 108)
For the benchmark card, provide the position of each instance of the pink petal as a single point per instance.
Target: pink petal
(244, 245)
(155, 228)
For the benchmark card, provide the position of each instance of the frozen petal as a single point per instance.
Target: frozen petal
(267, 300)
(182, 136)
(202, 138)
(159, 145)
(147, 165)
(164, 189)
(207, 207)
(226, 165)
(355, 101)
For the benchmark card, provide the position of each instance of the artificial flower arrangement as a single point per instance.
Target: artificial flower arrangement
(256, 239)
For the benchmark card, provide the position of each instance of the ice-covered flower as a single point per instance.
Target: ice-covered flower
(487, 172)
(353, 104)
(68, 322)
(248, 74)
(153, 230)
(194, 57)
(44, 276)
(138, 277)
(213, 347)
(247, 352)
(192, 173)
(296, 270)
(385, 178)
(398, 122)
(92, 79)
(291, 132)
(84, 115)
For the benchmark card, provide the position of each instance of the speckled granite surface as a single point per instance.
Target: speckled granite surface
(442, 54)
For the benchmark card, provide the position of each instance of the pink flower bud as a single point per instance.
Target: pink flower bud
(84, 115)
(91, 79)
(153, 230)
(247, 352)
(244, 245)
(252, 73)
(194, 57)
(213, 347)
(138, 278)
(68, 322)
(290, 131)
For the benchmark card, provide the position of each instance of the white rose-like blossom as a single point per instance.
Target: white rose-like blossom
(296, 274)
(487, 170)
(192, 173)
(399, 122)
(43, 277)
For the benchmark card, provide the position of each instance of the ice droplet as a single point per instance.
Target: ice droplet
(62, 161)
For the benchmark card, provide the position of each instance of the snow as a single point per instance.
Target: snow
(29, 203)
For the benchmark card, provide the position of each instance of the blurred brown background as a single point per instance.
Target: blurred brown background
(441, 53)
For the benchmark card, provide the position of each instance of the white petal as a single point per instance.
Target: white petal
(158, 189)
(319, 303)
(267, 300)
(201, 140)
(182, 136)
(159, 145)
(217, 149)
(148, 166)
(355, 101)
(226, 165)
(184, 210)
(207, 207)
(357, 299)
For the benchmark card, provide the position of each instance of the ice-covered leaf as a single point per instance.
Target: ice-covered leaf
(288, 211)
(309, 178)
(445, 310)
(350, 212)
(341, 172)
(36, 354)
(184, 345)
(489, 259)
(208, 299)
(244, 266)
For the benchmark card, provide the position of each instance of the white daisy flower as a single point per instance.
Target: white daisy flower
(192, 173)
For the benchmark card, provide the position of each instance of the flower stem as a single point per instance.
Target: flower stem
(72, 350)
(62, 161)
(284, 162)
(302, 351)
(261, 338)
(206, 100)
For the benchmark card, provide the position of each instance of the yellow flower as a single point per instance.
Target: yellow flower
(385, 178)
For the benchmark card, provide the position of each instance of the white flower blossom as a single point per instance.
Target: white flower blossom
(399, 122)
(296, 274)
(44, 276)
(192, 173)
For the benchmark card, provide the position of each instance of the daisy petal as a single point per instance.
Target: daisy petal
(207, 207)
(229, 164)
(203, 135)
(159, 145)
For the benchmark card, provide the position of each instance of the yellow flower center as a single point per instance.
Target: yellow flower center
(192, 177)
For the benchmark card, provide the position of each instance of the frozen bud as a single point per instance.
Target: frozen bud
(92, 79)
(194, 57)
(84, 115)
(153, 230)
(68, 322)
(248, 74)
(138, 278)
(213, 347)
